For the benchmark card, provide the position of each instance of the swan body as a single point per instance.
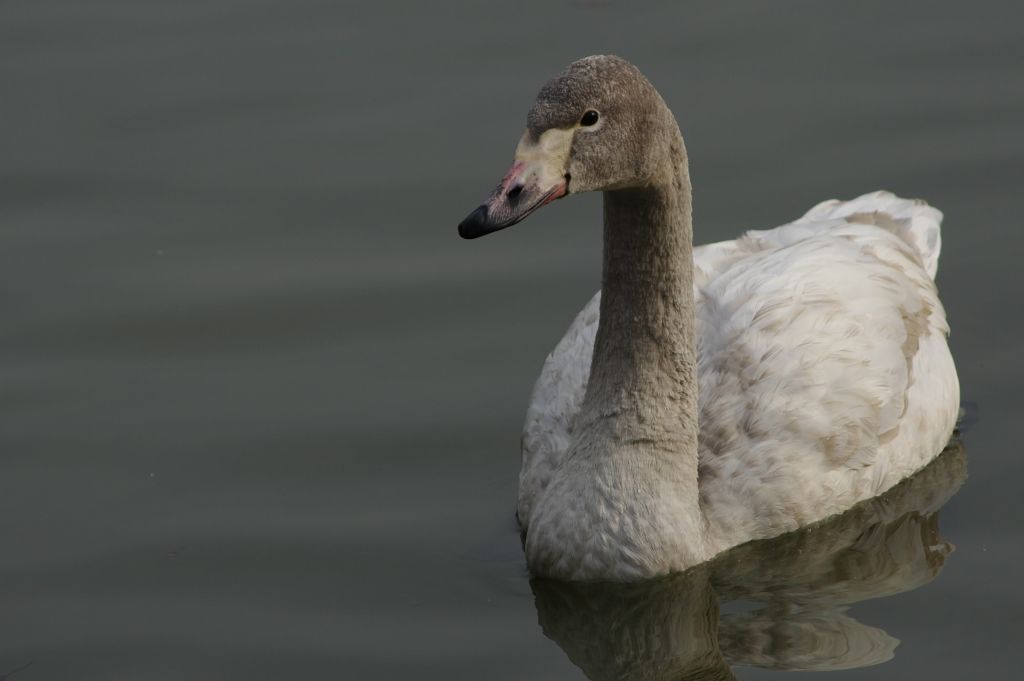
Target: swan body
(715, 395)
(824, 373)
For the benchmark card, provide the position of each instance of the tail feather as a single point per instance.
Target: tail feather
(912, 220)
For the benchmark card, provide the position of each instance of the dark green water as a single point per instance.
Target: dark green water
(260, 406)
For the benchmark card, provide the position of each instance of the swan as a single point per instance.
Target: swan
(711, 396)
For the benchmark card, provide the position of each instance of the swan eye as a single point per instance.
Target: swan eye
(589, 118)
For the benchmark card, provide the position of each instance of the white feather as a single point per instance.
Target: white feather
(824, 373)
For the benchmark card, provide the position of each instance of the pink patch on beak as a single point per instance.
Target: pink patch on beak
(513, 177)
(560, 190)
(517, 180)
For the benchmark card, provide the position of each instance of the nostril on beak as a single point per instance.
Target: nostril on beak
(514, 192)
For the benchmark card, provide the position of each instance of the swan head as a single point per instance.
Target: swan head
(599, 125)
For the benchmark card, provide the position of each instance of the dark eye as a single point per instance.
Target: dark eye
(589, 118)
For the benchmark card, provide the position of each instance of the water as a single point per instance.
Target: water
(260, 405)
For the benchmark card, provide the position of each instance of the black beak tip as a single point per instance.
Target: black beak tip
(475, 224)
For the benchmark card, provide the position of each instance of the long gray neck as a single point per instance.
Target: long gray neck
(644, 366)
(643, 380)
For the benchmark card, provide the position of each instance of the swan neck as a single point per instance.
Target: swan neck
(644, 365)
(638, 420)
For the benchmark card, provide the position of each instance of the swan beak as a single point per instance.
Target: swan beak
(536, 179)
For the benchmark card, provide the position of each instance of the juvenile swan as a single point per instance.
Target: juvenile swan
(813, 356)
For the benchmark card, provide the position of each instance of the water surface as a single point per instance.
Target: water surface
(259, 405)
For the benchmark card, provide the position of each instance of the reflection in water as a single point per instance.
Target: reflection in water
(797, 587)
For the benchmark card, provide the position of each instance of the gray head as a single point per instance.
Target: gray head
(597, 126)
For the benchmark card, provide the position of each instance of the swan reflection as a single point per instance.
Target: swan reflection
(785, 600)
